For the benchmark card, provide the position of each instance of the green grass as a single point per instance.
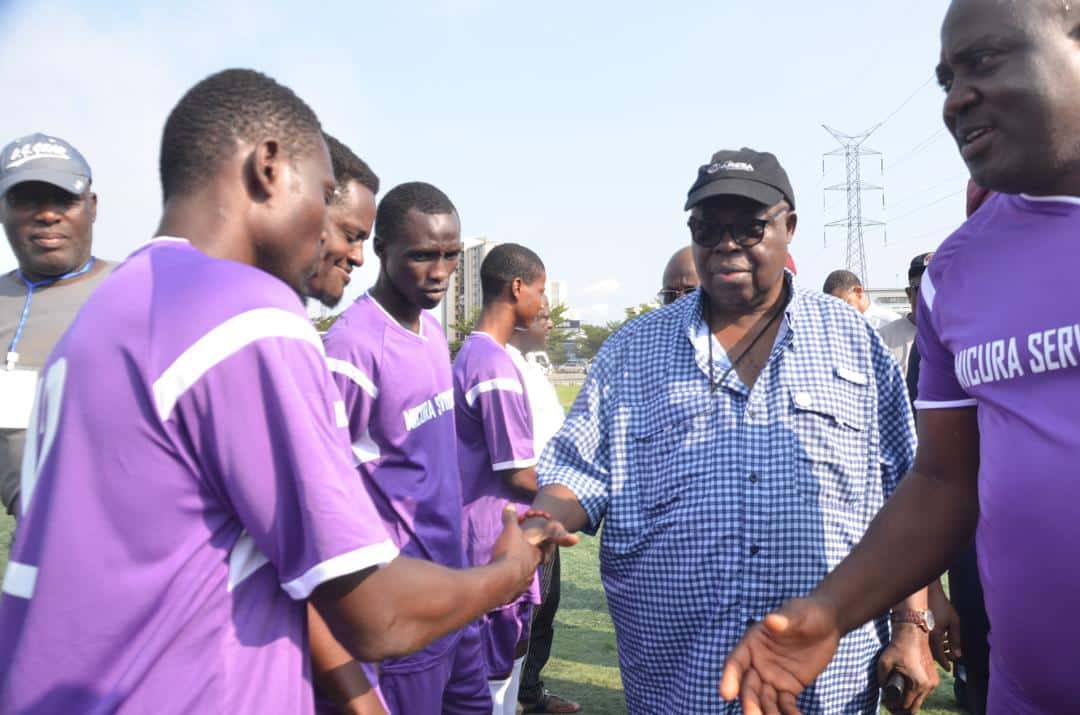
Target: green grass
(567, 394)
(7, 528)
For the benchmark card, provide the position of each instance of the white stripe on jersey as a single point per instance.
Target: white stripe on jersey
(244, 560)
(340, 415)
(342, 367)
(508, 384)
(223, 341)
(351, 562)
(947, 405)
(20, 580)
(927, 291)
(365, 449)
(515, 464)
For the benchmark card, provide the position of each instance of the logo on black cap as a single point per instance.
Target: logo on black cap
(756, 175)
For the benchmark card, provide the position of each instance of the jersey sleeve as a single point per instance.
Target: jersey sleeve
(269, 431)
(938, 386)
(503, 408)
(354, 373)
(578, 456)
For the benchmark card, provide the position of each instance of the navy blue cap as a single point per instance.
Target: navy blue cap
(40, 157)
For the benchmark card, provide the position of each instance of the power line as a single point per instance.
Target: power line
(911, 96)
(942, 232)
(951, 180)
(918, 148)
(926, 206)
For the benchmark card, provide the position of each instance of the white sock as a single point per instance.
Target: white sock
(510, 707)
(499, 698)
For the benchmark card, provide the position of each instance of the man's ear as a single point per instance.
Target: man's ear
(378, 245)
(263, 169)
(91, 206)
(792, 221)
(516, 286)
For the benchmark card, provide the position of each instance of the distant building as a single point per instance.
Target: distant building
(895, 299)
(557, 293)
(464, 296)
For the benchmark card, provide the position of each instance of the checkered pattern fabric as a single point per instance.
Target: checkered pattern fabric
(717, 506)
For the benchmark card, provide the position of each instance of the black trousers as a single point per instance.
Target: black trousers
(965, 591)
(543, 632)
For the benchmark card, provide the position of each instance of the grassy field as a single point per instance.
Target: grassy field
(584, 663)
(566, 394)
(7, 527)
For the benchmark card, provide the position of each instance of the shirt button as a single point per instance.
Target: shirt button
(754, 478)
(803, 399)
(754, 550)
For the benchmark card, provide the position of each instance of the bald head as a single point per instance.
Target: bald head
(1016, 12)
(680, 276)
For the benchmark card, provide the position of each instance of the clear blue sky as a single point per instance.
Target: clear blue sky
(574, 128)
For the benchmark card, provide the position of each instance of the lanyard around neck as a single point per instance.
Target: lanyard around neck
(706, 311)
(31, 286)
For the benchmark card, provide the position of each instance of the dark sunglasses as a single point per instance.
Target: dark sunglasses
(746, 233)
(668, 296)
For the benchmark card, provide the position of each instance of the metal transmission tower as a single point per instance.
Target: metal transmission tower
(852, 149)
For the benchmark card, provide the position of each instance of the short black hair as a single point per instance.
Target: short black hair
(349, 167)
(234, 104)
(506, 262)
(423, 197)
(841, 281)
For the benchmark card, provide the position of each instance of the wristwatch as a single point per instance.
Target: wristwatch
(923, 619)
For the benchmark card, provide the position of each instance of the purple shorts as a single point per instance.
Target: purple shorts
(455, 683)
(502, 631)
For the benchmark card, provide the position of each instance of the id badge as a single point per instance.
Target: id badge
(17, 389)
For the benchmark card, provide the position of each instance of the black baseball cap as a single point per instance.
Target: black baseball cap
(40, 157)
(919, 264)
(754, 174)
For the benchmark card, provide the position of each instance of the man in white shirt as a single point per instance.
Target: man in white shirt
(899, 335)
(846, 286)
(548, 417)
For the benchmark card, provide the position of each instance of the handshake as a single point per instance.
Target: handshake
(527, 541)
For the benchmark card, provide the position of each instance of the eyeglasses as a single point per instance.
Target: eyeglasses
(667, 296)
(744, 233)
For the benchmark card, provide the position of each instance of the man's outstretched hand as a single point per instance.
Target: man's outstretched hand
(779, 657)
(527, 548)
(547, 534)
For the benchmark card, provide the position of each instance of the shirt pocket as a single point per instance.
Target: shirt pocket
(661, 452)
(831, 441)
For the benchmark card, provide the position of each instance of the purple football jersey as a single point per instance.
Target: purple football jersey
(997, 329)
(494, 426)
(399, 398)
(186, 486)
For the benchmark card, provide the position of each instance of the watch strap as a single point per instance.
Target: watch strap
(917, 618)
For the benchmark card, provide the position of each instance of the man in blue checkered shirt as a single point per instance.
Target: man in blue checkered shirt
(734, 446)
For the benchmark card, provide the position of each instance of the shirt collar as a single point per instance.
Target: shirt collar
(693, 310)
